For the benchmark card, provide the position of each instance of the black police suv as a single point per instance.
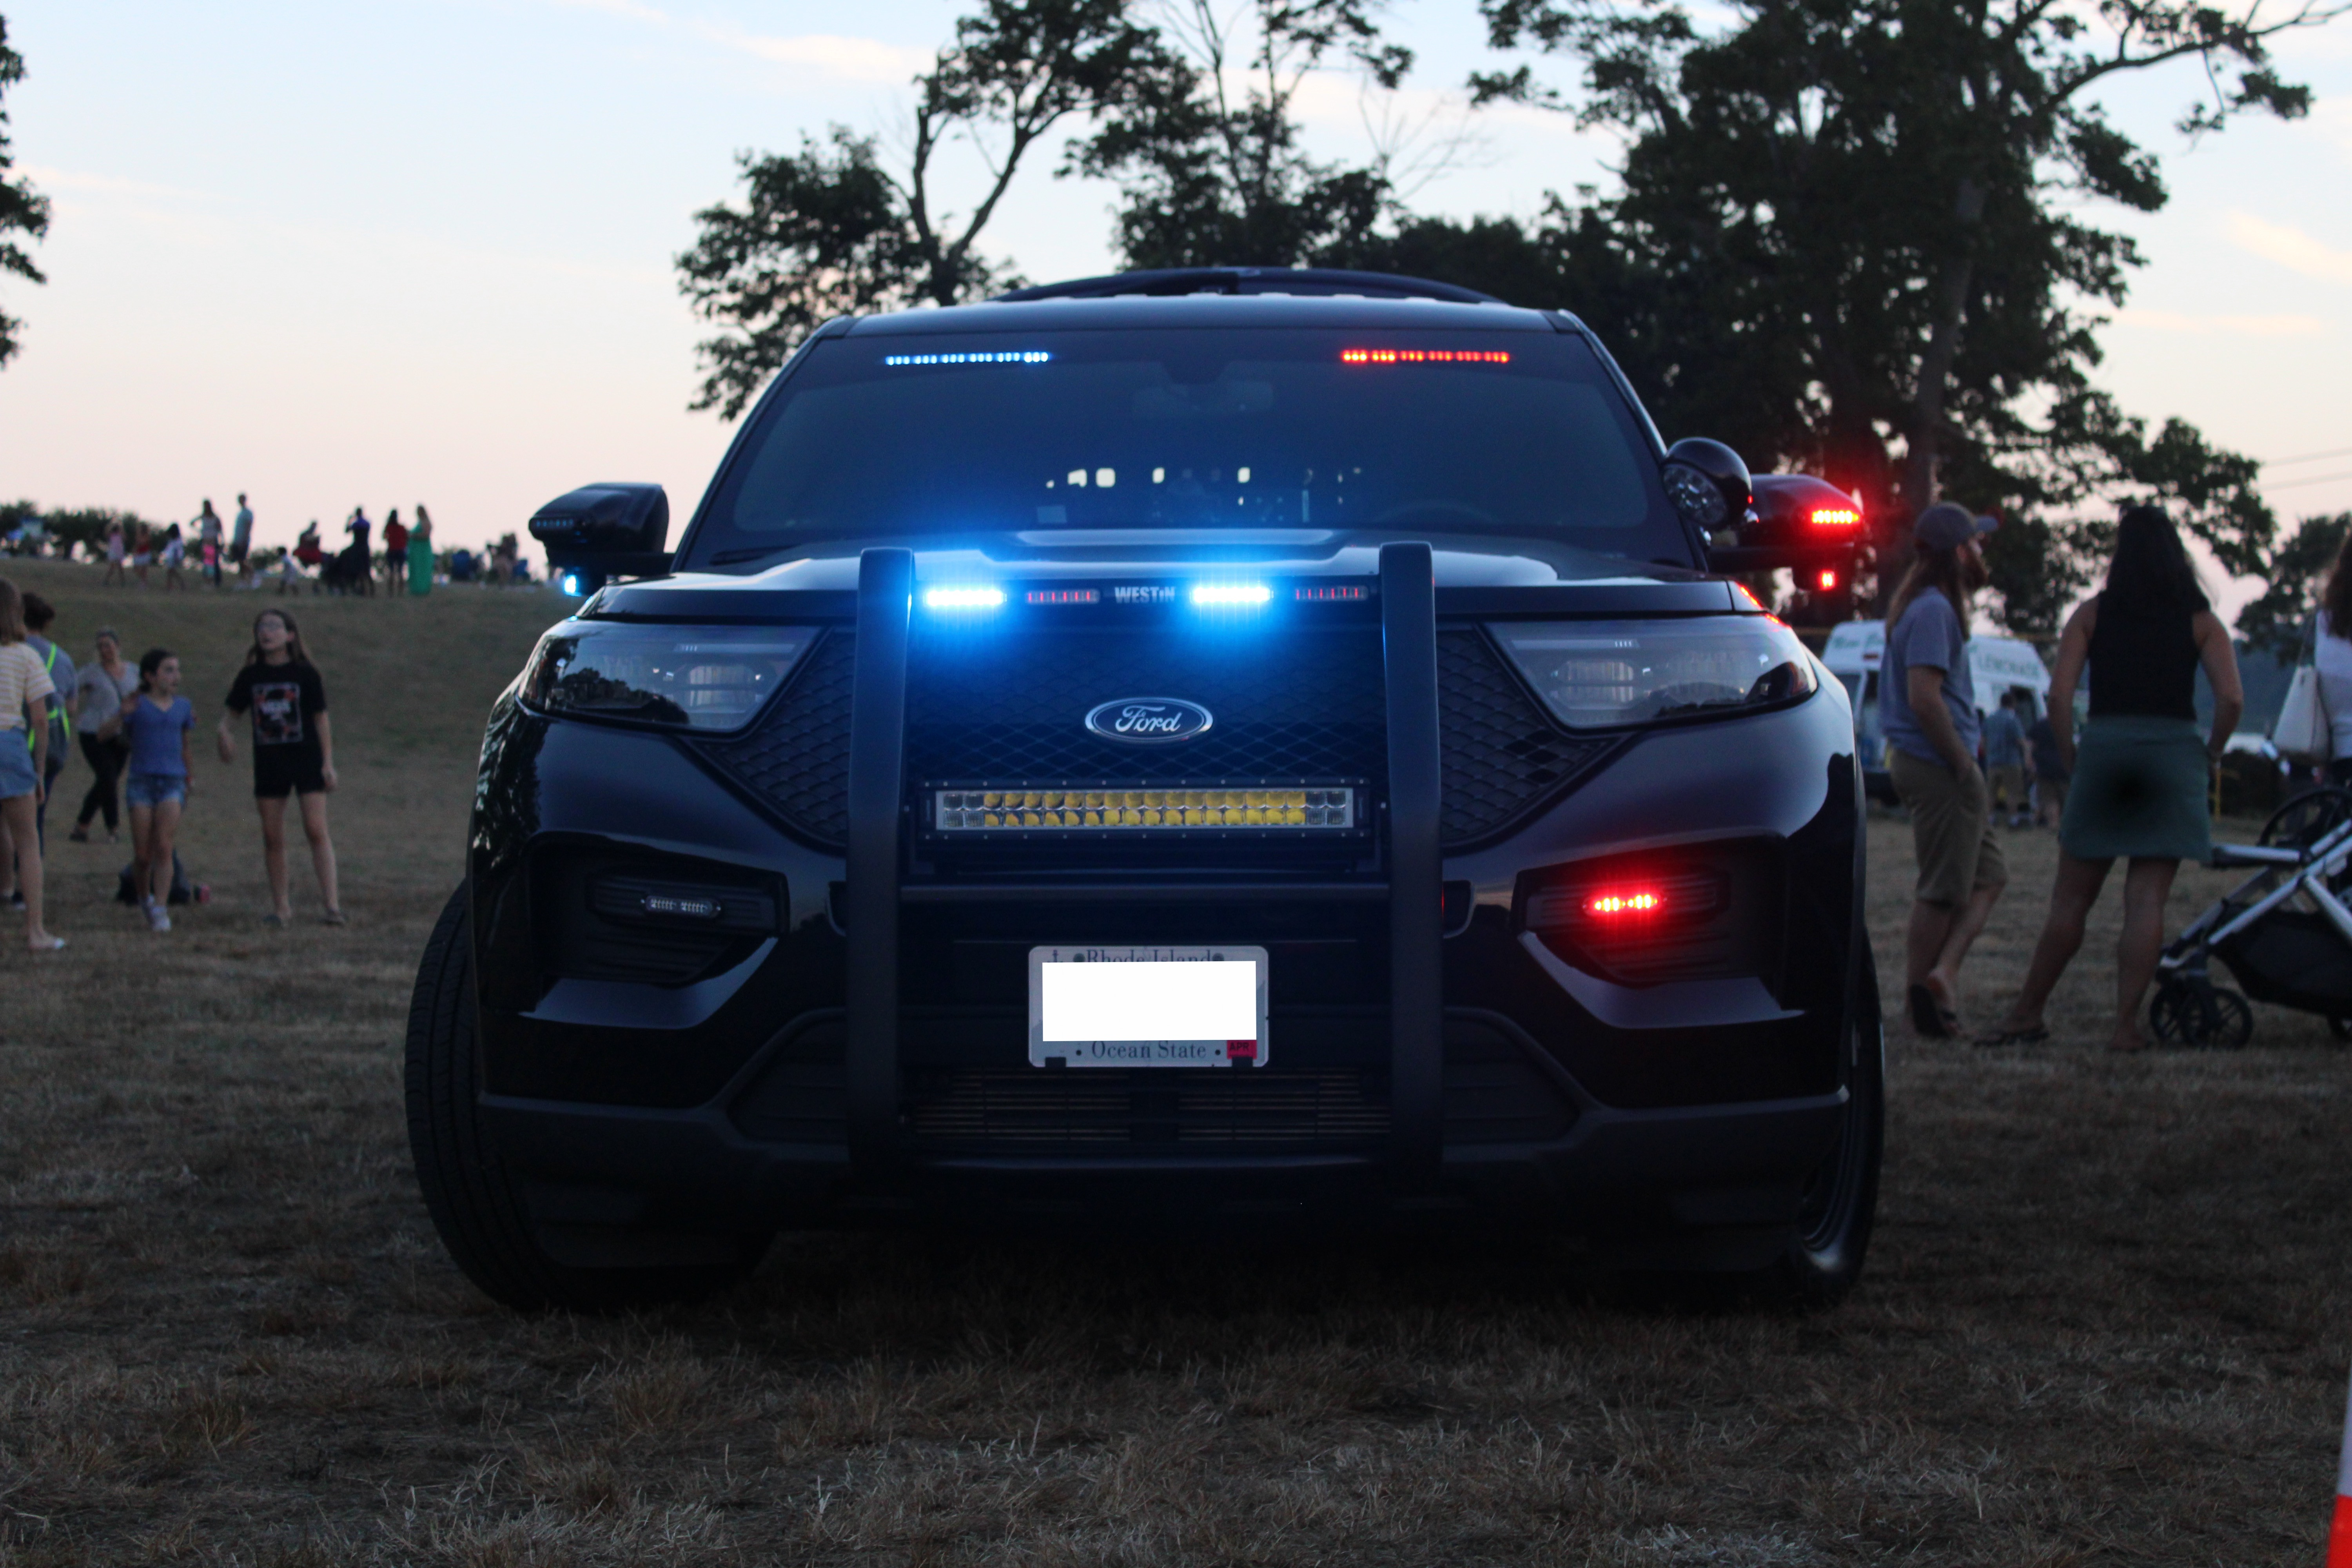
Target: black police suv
(1210, 748)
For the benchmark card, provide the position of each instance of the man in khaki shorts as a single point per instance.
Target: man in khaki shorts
(1926, 709)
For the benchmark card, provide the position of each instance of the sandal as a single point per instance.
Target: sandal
(50, 944)
(333, 918)
(2031, 1034)
(275, 922)
(1930, 1019)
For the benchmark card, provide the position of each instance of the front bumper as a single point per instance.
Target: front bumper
(1462, 1069)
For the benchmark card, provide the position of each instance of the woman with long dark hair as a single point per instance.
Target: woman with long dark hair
(2142, 774)
(1926, 709)
(2333, 653)
(293, 753)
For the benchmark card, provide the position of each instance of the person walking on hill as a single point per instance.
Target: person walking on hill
(420, 554)
(1926, 709)
(100, 693)
(396, 552)
(2142, 775)
(117, 551)
(208, 532)
(24, 692)
(142, 551)
(293, 753)
(240, 542)
(175, 550)
(157, 720)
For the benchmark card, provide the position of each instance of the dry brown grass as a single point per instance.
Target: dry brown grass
(2104, 1319)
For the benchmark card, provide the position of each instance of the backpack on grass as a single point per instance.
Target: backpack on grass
(183, 891)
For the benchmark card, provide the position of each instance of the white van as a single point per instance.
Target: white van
(1996, 664)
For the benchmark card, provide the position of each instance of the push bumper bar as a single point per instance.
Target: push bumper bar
(885, 584)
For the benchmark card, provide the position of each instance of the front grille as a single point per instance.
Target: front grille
(1502, 757)
(1098, 1107)
(1286, 707)
(1302, 708)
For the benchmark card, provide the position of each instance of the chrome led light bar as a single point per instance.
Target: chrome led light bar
(1331, 807)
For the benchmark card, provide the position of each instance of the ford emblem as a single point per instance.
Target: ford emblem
(1149, 721)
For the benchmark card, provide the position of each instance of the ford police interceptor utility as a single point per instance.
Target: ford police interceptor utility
(1218, 749)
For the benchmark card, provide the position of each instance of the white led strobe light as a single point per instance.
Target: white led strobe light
(1141, 810)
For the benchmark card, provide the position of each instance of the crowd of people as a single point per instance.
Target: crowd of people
(217, 550)
(2134, 786)
(137, 733)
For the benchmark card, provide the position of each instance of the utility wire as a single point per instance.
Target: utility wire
(2306, 457)
(2317, 480)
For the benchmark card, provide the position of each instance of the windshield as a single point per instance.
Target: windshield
(1480, 432)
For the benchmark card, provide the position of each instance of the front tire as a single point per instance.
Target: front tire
(1831, 1236)
(468, 1191)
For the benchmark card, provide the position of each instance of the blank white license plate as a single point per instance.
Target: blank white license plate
(1147, 1006)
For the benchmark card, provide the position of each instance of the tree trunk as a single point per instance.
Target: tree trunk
(1925, 437)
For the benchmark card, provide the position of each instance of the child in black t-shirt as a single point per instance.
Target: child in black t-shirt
(293, 753)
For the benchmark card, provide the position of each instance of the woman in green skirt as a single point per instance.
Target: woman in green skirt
(2142, 772)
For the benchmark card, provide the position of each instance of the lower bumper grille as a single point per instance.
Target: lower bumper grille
(1095, 1109)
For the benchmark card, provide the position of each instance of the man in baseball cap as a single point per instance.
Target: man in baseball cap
(1947, 526)
(1927, 712)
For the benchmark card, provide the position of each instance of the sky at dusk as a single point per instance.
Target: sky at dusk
(421, 250)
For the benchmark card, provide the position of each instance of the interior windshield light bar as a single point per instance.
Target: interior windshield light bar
(1231, 593)
(1007, 356)
(1344, 594)
(1063, 597)
(1425, 356)
(962, 598)
(980, 811)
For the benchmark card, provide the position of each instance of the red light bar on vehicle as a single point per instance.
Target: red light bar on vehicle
(1425, 356)
(1827, 582)
(1062, 596)
(1618, 903)
(1835, 517)
(1328, 596)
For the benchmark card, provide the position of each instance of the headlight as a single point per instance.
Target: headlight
(1596, 674)
(696, 678)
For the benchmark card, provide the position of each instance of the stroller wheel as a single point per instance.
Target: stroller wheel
(2208, 1017)
(2302, 820)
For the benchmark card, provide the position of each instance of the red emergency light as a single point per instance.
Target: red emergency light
(1827, 582)
(1618, 903)
(1835, 517)
(1425, 356)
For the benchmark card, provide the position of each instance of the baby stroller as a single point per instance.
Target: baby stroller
(2286, 932)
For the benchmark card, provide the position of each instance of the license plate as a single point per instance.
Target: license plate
(1147, 1006)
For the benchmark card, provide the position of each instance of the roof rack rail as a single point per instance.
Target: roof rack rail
(1174, 281)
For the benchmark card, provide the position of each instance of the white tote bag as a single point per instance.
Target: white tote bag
(2301, 733)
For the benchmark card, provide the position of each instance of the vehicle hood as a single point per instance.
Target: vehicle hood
(1463, 562)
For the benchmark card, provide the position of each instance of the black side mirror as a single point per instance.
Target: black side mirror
(1707, 483)
(606, 530)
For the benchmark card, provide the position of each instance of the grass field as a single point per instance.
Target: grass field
(2107, 1317)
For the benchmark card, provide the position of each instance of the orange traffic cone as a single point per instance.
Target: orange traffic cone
(2339, 1535)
